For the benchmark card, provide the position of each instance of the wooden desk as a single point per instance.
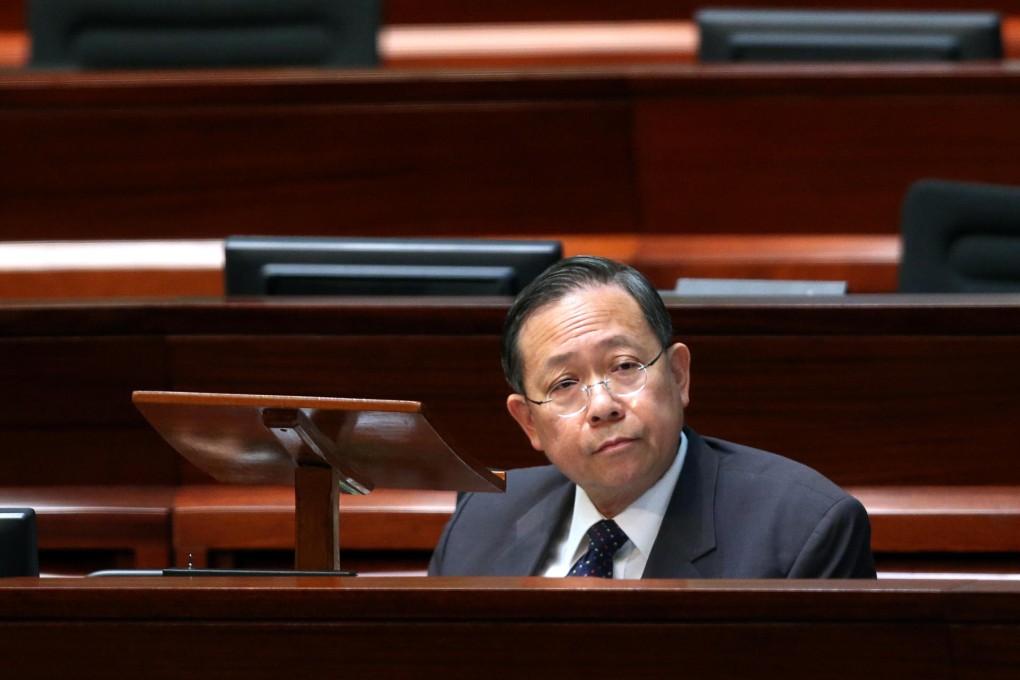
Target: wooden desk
(506, 628)
(666, 150)
(194, 268)
(873, 391)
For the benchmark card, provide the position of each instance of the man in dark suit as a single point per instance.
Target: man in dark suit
(600, 387)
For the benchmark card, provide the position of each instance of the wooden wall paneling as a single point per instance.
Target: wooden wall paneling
(66, 411)
(806, 158)
(878, 410)
(621, 150)
(130, 169)
(104, 454)
(97, 374)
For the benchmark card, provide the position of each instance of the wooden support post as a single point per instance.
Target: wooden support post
(317, 518)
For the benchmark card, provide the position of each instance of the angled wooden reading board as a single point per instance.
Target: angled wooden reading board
(320, 445)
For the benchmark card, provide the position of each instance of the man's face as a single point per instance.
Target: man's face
(618, 447)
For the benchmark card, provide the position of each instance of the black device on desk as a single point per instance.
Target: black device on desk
(730, 35)
(19, 552)
(304, 265)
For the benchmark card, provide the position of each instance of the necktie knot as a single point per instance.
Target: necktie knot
(605, 538)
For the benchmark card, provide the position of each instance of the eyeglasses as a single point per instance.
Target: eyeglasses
(569, 397)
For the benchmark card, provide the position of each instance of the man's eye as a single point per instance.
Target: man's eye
(625, 367)
(563, 387)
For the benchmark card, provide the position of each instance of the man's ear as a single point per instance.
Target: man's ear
(680, 365)
(521, 412)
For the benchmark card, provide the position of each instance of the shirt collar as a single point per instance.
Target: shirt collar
(641, 519)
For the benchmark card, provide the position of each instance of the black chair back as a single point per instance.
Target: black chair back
(960, 237)
(147, 34)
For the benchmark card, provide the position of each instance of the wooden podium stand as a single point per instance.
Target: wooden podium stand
(320, 445)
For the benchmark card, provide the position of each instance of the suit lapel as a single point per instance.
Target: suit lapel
(688, 527)
(522, 555)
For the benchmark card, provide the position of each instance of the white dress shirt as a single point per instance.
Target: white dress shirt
(640, 521)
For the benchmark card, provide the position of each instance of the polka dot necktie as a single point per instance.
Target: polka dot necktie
(605, 539)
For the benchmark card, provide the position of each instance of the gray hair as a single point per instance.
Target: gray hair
(565, 277)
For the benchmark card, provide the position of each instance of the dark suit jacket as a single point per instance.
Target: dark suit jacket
(736, 512)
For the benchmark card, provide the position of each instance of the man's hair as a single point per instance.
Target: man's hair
(565, 277)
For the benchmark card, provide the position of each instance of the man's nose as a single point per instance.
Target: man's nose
(602, 404)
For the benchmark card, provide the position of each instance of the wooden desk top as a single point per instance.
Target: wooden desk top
(289, 86)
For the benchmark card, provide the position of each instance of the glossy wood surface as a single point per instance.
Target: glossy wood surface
(261, 439)
(235, 518)
(858, 387)
(463, 628)
(654, 149)
(944, 519)
(128, 525)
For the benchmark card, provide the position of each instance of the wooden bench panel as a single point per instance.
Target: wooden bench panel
(945, 519)
(860, 409)
(872, 401)
(814, 160)
(318, 167)
(110, 519)
(228, 519)
(823, 149)
(915, 530)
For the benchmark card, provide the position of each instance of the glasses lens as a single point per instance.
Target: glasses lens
(624, 380)
(627, 379)
(568, 401)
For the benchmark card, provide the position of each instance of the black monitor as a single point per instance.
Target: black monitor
(296, 265)
(19, 552)
(730, 35)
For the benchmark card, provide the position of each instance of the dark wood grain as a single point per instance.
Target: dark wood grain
(874, 378)
(654, 149)
(447, 627)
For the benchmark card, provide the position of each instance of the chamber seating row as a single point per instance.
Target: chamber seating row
(917, 530)
(909, 400)
(88, 528)
(194, 268)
